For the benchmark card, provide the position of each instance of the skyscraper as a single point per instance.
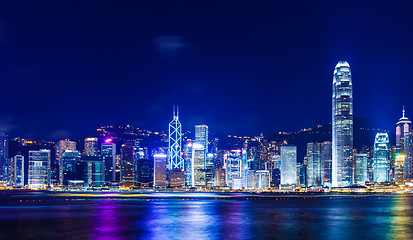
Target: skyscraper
(198, 165)
(288, 165)
(326, 159)
(4, 151)
(381, 158)
(108, 153)
(342, 121)
(403, 126)
(159, 175)
(360, 171)
(127, 172)
(201, 136)
(62, 146)
(404, 146)
(233, 166)
(314, 169)
(91, 147)
(39, 169)
(69, 159)
(18, 171)
(175, 160)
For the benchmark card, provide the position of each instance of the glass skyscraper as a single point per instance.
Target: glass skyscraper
(39, 169)
(342, 121)
(381, 158)
(288, 165)
(314, 165)
(360, 170)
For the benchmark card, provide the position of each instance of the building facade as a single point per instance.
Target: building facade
(381, 156)
(342, 126)
(288, 165)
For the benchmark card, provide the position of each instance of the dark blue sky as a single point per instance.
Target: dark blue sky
(242, 67)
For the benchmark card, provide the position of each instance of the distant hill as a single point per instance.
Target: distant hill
(364, 133)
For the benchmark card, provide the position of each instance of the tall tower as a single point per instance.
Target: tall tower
(342, 122)
(175, 139)
(381, 158)
(403, 127)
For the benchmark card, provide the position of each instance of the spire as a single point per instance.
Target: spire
(403, 112)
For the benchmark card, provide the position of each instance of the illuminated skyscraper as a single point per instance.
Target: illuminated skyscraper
(404, 146)
(201, 136)
(314, 168)
(360, 171)
(342, 122)
(288, 165)
(4, 151)
(381, 158)
(69, 159)
(175, 160)
(108, 153)
(91, 147)
(127, 172)
(233, 164)
(159, 176)
(18, 171)
(326, 159)
(188, 163)
(403, 126)
(198, 165)
(62, 146)
(39, 169)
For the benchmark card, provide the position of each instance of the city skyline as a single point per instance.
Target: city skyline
(131, 63)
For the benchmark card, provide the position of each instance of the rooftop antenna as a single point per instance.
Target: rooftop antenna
(403, 112)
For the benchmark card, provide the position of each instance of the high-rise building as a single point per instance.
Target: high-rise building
(404, 145)
(288, 165)
(39, 169)
(108, 153)
(91, 147)
(69, 159)
(127, 172)
(326, 159)
(187, 156)
(399, 166)
(360, 170)
(403, 126)
(91, 170)
(144, 168)
(201, 136)
(18, 179)
(381, 158)
(233, 166)
(198, 165)
(4, 151)
(314, 165)
(342, 121)
(175, 160)
(159, 176)
(62, 146)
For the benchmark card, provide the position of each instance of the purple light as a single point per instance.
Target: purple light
(109, 140)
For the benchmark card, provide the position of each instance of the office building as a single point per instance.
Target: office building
(233, 166)
(342, 126)
(4, 151)
(288, 165)
(128, 160)
(198, 165)
(91, 147)
(381, 158)
(69, 159)
(175, 160)
(39, 169)
(159, 176)
(360, 170)
(108, 153)
(314, 165)
(327, 159)
(18, 178)
(62, 146)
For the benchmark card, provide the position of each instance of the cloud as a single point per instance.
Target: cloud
(170, 46)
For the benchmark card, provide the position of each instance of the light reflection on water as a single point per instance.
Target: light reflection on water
(205, 218)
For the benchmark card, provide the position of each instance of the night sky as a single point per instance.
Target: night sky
(68, 67)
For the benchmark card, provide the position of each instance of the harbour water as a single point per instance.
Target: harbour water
(43, 215)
